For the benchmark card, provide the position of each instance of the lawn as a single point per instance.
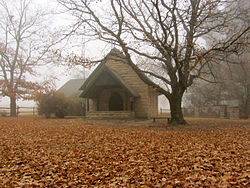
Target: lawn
(58, 152)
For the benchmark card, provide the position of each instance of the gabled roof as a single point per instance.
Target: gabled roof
(88, 86)
(71, 87)
(101, 77)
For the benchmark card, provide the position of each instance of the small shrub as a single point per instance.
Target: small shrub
(61, 105)
(52, 103)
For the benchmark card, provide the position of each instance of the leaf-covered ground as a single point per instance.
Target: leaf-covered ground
(78, 153)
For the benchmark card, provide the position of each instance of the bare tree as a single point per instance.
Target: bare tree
(24, 44)
(166, 33)
(232, 84)
(230, 73)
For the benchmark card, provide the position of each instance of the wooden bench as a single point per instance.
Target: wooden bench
(160, 117)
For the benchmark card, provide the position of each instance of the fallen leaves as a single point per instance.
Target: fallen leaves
(39, 152)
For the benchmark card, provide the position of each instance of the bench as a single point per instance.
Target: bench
(160, 117)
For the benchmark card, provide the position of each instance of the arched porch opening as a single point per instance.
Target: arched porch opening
(115, 102)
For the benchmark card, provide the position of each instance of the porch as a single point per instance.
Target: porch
(100, 115)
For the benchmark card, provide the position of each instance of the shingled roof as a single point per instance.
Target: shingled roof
(71, 88)
(119, 54)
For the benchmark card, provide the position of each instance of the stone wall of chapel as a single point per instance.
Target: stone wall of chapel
(92, 105)
(141, 104)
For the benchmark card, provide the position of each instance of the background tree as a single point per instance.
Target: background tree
(232, 86)
(231, 73)
(25, 41)
(166, 33)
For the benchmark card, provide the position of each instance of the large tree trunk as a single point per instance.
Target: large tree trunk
(13, 112)
(175, 108)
